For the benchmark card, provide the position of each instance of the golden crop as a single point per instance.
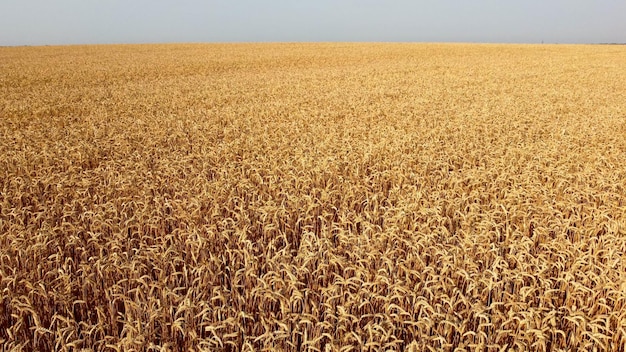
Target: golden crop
(318, 197)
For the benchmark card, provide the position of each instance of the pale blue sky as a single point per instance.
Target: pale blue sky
(41, 22)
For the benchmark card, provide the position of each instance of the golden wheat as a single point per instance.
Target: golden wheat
(320, 197)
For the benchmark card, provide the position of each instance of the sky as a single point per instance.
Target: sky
(53, 22)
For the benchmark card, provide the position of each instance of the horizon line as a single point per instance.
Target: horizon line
(307, 42)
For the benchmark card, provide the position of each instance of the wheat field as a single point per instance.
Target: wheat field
(313, 197)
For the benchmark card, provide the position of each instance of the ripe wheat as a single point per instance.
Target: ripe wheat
(321, 197)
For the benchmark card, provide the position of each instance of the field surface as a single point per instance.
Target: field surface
(313, 197)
